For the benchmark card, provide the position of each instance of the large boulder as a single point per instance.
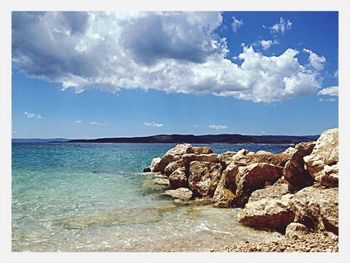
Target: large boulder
(211, 158)
(274, 191)
(199, 150)
(255, 176)
(171, 167)
(154, 163)
(296, 230)
(179, 149)
(178, 178)
(249, 158)
(183, 194)
(316, 208)
(160, 165)
(323, 157)
(267, 213)
(226, 188)
(226, 157)
(294, 172)
(204, 177)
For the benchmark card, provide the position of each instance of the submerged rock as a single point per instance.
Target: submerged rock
(183, 194)
(323, 157)
(204, 177)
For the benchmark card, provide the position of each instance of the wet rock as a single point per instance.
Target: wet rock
(204, 177)
(294, 172)
(196, 201)
(323, 157)
(255, 176)
(316, 208)
(147, 170)
(199, 150)
(267, 213)
(182, 193)
(178, 178)
(161, 181)
(171, 167)
(296, 230)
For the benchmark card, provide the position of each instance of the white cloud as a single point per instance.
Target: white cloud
(281, 27)
(316, 61)
(330, 91)
(266, 44)
(217, 126)
(174, 52)
(236, 24)
(327, 100)
(32, 115)
(78, 121)
(154, 124)
(96, 123)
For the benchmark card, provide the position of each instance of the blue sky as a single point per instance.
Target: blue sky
(87, 75)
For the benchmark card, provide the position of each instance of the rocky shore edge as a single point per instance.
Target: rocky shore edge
(294, 192)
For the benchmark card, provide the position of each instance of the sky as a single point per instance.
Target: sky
(107, 74)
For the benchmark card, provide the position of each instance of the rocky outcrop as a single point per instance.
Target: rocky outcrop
(272, 192)
(199, 150)
(204, 177)
(317, 208)
(183, 194)
(226, 157)
(267, 213)
(171, 167)
(211, 158)
(322, 162)
(255, 176)
(294, 172)
(178, 178)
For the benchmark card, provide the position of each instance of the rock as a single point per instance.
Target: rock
(199, 150)
(289, 151)
(263, 152)
(226, 157)
(179, 149)
(267, 213)
(204, 177)
(161, 181)
(211, 158)
(255, 176)
(164, 161)
(316, 208)
(275, 159)
(226, 189)
(331, 176)
(147, 170)
(296, 230)
(154, 163)
(178, 178)
(196, 201)
(171, 167)
(275, 191)
(294, 172)
(323, 157)
(183, 194)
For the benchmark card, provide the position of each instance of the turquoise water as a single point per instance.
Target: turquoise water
(94, 197)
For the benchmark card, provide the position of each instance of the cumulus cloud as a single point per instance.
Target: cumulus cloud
(330, 91)
(317, 62)
(32, 115)
(174, 52)
(154, 124)
(217, 126)
(281, 27)
(236, 24)
(266, 44)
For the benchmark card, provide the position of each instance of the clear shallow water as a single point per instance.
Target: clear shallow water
(94, 197)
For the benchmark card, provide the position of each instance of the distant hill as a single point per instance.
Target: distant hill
(33, 140)
(219, 138)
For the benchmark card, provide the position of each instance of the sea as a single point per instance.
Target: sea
(94, 197)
